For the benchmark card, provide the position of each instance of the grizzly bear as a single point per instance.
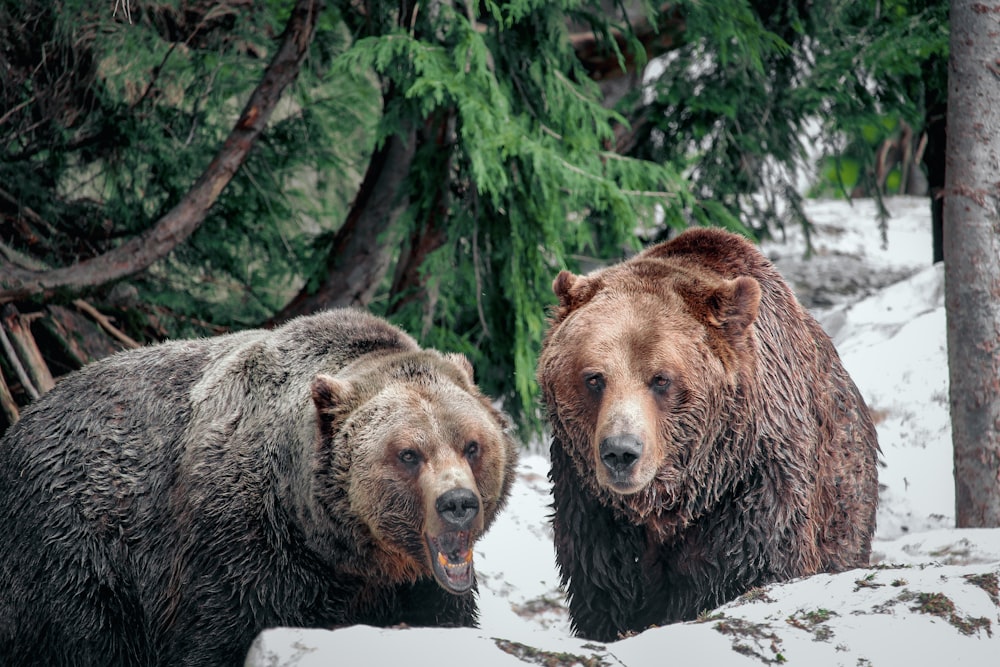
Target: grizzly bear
(164, 505)
(705, 437)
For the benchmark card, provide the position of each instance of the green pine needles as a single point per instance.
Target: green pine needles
(518, 169)
(530, 179)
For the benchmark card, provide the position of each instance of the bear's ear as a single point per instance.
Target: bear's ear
(573, 291)
(734, 305)
(329, 395)
(463, 363)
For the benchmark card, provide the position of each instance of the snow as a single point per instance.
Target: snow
(930, 596)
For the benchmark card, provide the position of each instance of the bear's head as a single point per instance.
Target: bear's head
(639, 369)
(418, 459)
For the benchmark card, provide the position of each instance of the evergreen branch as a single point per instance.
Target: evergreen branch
(594, 177)
(657, 194)
(572, 87)
(187, 215)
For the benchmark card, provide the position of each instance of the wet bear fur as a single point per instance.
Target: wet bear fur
(705, 437)
(164, 505)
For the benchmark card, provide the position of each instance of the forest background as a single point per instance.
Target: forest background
(173, 169)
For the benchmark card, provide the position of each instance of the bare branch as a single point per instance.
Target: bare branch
(181, 221)
(105, 324)
(361, 254)
(16, 364)
(7, 404)
(26, 349)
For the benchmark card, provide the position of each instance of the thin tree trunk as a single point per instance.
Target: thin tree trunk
(364, 245)
(972, 259)
(934, 156)
(181, 221)
(409, 282)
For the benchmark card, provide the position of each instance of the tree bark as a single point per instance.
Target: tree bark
(8, 407)
(26, 349)
(363, 246)
(934, 157)
(183, 219)
(409, 283)
(972, 259)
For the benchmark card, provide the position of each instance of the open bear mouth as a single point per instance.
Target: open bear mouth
(451, 560)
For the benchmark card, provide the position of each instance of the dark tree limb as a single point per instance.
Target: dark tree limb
(602, 63)
(80, 339)
(361, 253)
(410, 283)
(362, 248)
(183, 219)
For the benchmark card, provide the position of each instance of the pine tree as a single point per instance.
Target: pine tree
(436, 163)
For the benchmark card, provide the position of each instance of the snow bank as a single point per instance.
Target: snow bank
(931, 596)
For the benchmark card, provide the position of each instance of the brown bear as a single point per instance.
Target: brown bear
(164, 505)
(705, 437)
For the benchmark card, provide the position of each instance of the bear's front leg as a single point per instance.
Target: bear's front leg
(598, 557)
(425, 603)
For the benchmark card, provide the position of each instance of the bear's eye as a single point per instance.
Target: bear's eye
(472, 449)
(409, 457)
(594, 382)
(660, 383)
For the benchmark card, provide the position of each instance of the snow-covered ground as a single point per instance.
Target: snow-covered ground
(931, 596)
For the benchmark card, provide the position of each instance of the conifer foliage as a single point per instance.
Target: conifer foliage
(435, 162)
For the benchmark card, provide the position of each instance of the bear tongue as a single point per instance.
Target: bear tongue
(451, 560)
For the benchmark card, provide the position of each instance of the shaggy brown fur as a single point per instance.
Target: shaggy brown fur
(165, 505)
(706, 438)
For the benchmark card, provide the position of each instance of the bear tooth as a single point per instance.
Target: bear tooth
(446, 562)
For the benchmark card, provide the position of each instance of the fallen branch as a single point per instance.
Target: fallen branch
(106, 324)
(68, 342)
(15, 363)
(27, 350)
(184, 218)
(7, 404)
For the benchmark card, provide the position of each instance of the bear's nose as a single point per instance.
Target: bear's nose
(457, 508)
(620, 452)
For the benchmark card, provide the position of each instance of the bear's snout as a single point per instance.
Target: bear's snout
(619, 453)
(457, 508)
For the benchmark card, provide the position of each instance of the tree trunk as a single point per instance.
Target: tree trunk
(183, 219)
(409, 282)
(972, 259)
(934, 157)
(363, 246)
